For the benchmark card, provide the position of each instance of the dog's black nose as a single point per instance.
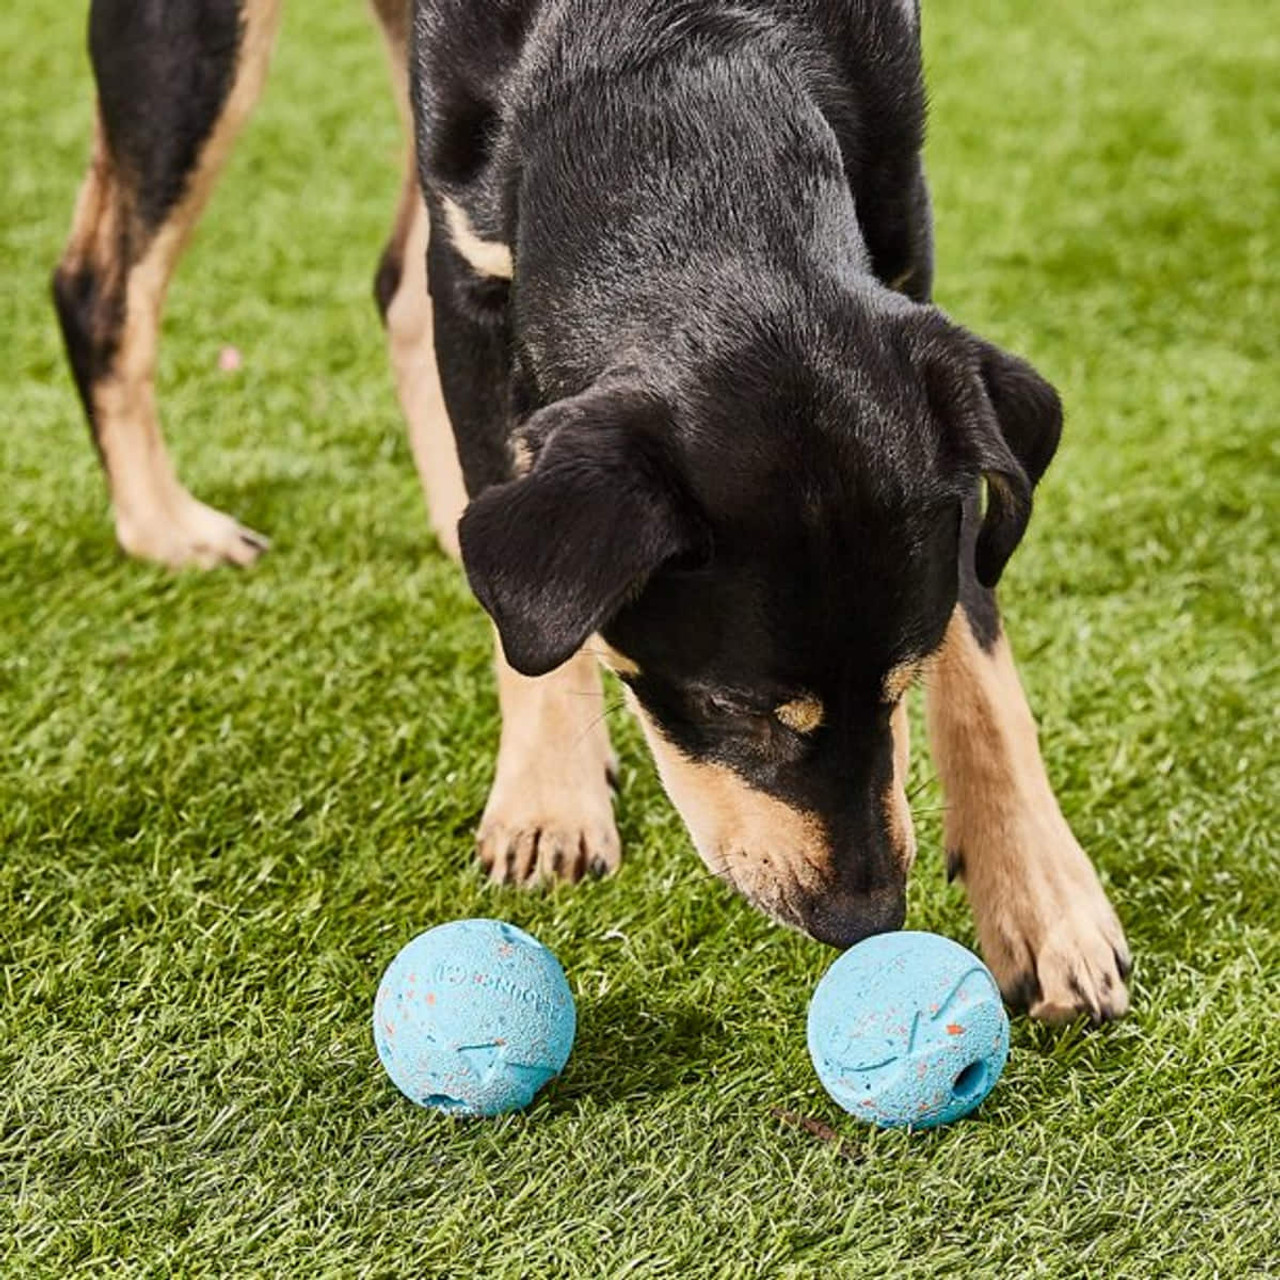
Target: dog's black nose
(840, 918)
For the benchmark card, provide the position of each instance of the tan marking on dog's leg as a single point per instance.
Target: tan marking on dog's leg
(550, 812)
(898, 808)
(487, 257)
(900, 678)
(156, 518)
(413, 358)
(410, 331)
(1046, 928)
(99, 213)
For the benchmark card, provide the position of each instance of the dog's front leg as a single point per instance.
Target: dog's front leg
(1044, 922)
(550, 813)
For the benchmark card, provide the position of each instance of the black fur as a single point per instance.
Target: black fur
(473, 352)
(979, 602)
(90, 307)
(605, 485)
(163, 73)
(752, 456)
(386, 280)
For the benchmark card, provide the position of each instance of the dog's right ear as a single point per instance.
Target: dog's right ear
(554, 555)
(1000, 420)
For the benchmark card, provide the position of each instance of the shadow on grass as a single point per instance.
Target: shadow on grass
(286, 509)
(628, 1049)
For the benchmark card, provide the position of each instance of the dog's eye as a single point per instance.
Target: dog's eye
(760, 727)
(723, 705)
(717, 703)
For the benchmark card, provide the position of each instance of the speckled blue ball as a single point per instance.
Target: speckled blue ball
(473, 1018)
(908, 1029)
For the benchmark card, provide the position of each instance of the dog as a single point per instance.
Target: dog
(657, 298)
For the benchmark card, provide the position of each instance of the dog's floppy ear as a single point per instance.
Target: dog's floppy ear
(1001, 421)
(554, 555)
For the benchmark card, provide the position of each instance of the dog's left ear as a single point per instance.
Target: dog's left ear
(554, 555)
(1001, 421)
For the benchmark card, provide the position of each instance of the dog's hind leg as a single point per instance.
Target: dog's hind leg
(400, 290)
(1045, 925)
(175, 84)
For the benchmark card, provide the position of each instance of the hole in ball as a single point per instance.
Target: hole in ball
(443, 1102)
(970, 1081)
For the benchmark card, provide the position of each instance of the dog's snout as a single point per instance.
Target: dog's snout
(842, 919)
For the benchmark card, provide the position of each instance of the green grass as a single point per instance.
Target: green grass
(226, 800)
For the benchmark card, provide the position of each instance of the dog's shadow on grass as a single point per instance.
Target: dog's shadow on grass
(629, 1049)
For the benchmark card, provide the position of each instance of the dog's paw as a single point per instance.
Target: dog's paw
(183, 532)
(1047, 931)
(1080, 967)
(550, 812)
(530, 849)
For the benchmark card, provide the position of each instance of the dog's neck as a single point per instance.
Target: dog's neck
(676, 212)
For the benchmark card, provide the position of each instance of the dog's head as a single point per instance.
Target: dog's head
(769, 543)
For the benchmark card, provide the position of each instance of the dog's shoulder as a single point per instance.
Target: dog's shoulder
(466, 57)
(487, 79)
(463, 57)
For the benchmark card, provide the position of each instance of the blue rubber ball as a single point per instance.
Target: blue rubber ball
(473, 1018)
(908, 1029)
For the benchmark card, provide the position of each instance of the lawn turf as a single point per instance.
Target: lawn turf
(227, 799)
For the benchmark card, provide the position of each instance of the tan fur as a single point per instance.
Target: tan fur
(900, 679)
(393, 18)
(488, 257)
(1039, 908)
(156, 518)
(763, 847)
(550, 811)
(521, 457)
(609, 657)
(897, 807)
(900, 280)
(96, 222)
(803, 715)
(413, 360)
(410, 329)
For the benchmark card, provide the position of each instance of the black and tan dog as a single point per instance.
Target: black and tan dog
(711, 430)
